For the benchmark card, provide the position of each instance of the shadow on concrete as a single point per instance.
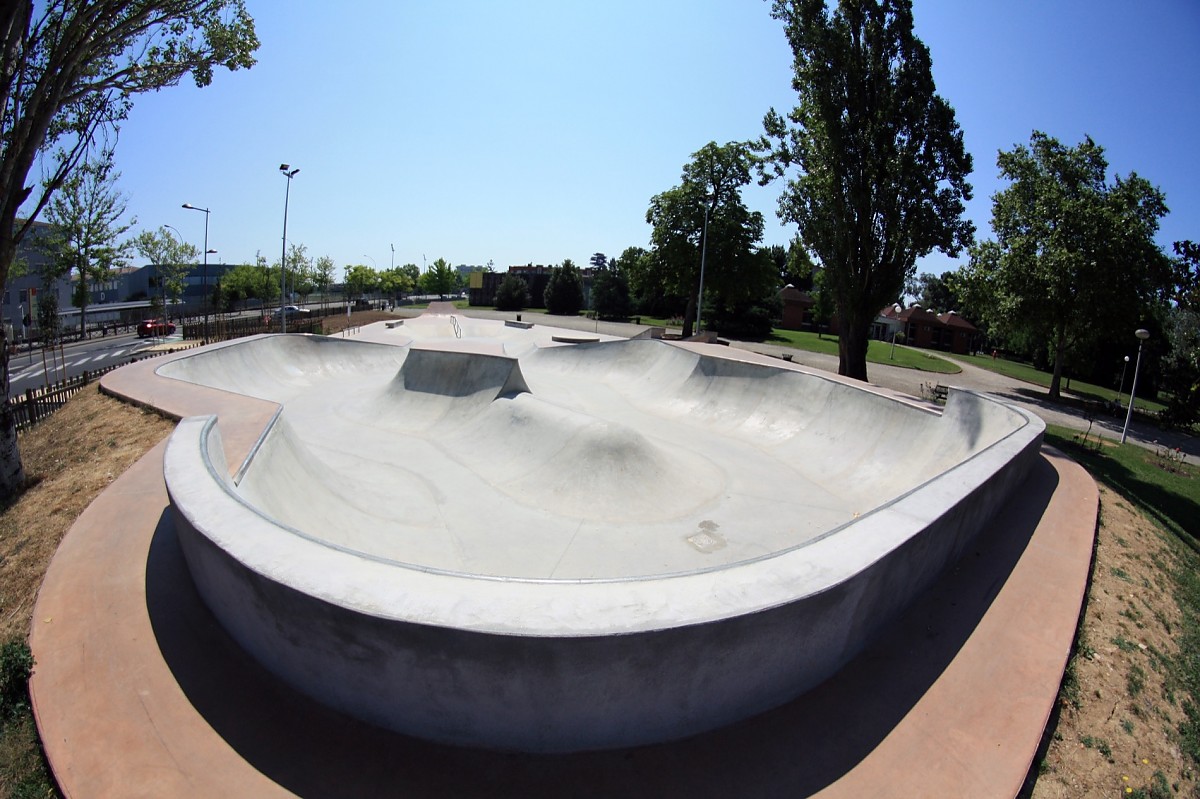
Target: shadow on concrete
(794, 750)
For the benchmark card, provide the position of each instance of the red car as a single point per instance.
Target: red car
(154, 327)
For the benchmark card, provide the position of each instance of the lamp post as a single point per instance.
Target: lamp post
(191, 207)
(1121, 390)
(288, 173)
(1142, 335)
(703, 251)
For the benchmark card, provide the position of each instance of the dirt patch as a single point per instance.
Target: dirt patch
(1121, 704)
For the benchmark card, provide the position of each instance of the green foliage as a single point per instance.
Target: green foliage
(512, 294)
(171, 258)
(882, 166)
(933, 292)
(360, 280)
(396, 282)
(16, 664)
(705, 216)
(323, 271)
(610, 294)
(564, 291)
(1074, 257)
(86, 229)
(1180, 377)
(440, 279)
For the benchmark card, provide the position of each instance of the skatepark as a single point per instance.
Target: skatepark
(472, 539)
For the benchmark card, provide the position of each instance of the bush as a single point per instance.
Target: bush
(610, 295)
(16, 664)
(512, 294)
(564, 292)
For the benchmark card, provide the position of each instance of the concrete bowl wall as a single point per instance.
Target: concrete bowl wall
(549, 665)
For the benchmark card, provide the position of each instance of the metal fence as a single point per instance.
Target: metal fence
(37, 404)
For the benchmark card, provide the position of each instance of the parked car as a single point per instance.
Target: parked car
(291, 311)
(155, 327)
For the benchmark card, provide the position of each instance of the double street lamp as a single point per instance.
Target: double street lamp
(191, 207)
(1142, 335)
(288, 173)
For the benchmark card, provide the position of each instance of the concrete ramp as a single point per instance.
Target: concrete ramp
(590, 546)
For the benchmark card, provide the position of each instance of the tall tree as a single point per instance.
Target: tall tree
(882, 167)
(933, 292)
(705, 217)
(440, 279)
(323, 276)
(68, 73)
(86, 229)
(172, 259)
(360, 280)
(1074, 255)
(564, 290)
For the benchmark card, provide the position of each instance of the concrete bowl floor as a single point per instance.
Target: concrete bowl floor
(140, 692)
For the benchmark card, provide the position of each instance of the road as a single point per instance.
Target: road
(31, 370)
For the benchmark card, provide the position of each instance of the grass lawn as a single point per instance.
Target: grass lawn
(877, 351)
(1167, 490)
(1023, 371)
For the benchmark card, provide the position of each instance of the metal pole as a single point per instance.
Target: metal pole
(205, 275)
(1142, 336)
(703, 251)
(289, 174)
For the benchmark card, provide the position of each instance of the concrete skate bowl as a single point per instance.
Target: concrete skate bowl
(588, 547)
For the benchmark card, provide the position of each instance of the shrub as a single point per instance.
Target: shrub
(512, 294)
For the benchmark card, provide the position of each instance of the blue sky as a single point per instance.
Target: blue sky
(534, 131)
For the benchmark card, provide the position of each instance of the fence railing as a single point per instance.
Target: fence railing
(37, 404)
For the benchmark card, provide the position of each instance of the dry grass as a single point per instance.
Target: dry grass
(1122, 699)
(69, 459)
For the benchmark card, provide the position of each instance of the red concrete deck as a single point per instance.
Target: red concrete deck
(138, 691)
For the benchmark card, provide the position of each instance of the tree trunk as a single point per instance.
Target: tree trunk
(852, 347)
(1060, 346)
(12, 471)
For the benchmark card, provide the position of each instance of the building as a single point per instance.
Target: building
(921, 328)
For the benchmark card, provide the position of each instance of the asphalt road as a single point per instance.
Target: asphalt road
(38, 368)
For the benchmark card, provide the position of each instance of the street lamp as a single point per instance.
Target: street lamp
(1142, 335)
(288, 173)
(191, 207)
(1121, 390)
(703, 250)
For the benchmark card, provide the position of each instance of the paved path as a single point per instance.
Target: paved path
(909, 381)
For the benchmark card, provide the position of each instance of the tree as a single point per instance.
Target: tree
(610, 293)
(323, 276)
(360, 280)
(564, 291)
(247, 281)
(440, 279)
(512, 294)
(68, 75)
(1074, 256)
(395, 283)
(882, 167)
(171, 259)
(705, 216)
(933, 292)
(86, 230)
(598, 260)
